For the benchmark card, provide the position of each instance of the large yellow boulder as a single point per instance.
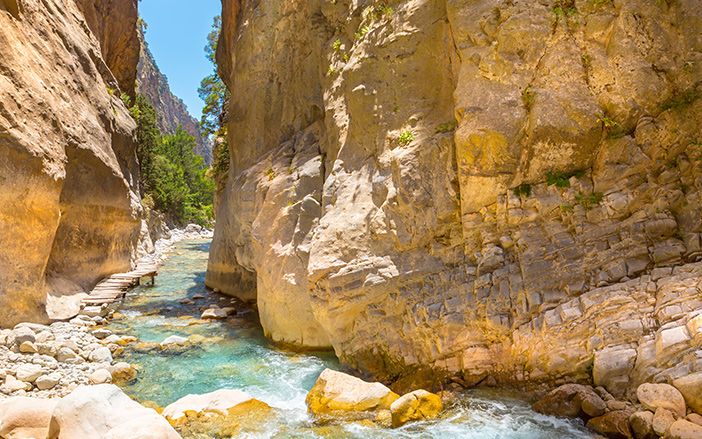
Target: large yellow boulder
(415, 406)
(223, 413)
(222, 402)
(336, 392)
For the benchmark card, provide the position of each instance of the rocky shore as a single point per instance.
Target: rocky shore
(48, 361)
(659, 410)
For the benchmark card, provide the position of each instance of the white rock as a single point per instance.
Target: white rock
(23, 334)
(100, 355)
(12, 384)
(214, 313)
(104, 411)
(100, 376)
(174, 340)
(28, 372)
(66, 355)
(46, 382)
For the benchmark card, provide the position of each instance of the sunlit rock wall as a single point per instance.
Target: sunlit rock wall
(68, 209)
(485, 188)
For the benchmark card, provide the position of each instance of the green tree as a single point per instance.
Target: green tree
(215, 94)
(172, 175)
(148, 140)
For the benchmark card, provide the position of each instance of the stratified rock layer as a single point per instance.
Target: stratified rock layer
(68, 209)
(481, 188)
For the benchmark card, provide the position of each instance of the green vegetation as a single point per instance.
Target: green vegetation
(173, 178)
(564, 8)
(588, 201)
(336, 45)
(681, 99)
(362, 32)
(562, 179)
(405, 138)
(381, 10)
(523, 190)
(446, 127)
(213, 122)
(611, 126)
(270, 173)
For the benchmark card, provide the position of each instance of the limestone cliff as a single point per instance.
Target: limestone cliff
(170, 109)
(477, 188)
(69, 213)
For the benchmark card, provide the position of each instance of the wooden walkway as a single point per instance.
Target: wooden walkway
(115, 287)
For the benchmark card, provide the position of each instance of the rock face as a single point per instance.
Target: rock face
(69, 213)
(483, 188)
(171, 112)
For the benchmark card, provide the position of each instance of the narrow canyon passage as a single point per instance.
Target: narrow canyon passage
(383, 218)
(234, 354)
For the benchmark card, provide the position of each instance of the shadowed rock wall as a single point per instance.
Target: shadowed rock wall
(69, 213)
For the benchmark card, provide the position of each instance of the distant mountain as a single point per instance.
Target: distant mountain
(170, 109)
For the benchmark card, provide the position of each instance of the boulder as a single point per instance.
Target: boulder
(12, 384)
(223, 402)
(571, 400)
(682, 429)
(614, 424)
(415, 406)
(690, 387)
(214, 314)
(66, 354)
(104, 411)
(22, 417)
(174, 340)
(122, 372)
(100, 376)
(101, 333)
(642, 425)
(22, 334)
(47, 382)
(28, 372)
(695, 418)
(662, 420)
(338, 392)
(100, 355)
(654, 396)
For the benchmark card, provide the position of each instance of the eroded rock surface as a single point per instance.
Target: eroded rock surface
(487, 189)
(69, 213)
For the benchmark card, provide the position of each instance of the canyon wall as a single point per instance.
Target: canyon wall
(171, 112)
(69, 210)
(503, 189)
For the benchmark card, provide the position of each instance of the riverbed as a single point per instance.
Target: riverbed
(234, 354)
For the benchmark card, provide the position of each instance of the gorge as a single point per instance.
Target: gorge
(446, 194)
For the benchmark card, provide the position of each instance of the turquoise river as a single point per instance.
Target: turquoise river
(234, 354)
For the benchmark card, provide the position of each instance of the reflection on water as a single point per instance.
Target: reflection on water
(234, 354)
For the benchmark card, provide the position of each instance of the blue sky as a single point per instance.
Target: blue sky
(177, 34)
